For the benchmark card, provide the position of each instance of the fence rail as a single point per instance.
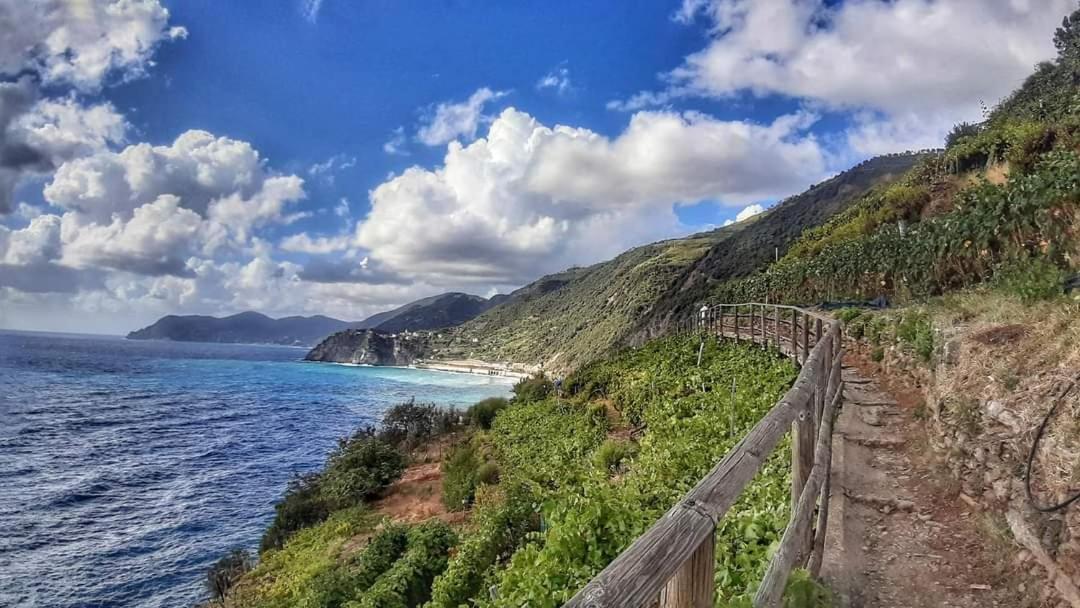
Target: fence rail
(672, 564)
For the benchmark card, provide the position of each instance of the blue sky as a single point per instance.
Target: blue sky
(303, 157)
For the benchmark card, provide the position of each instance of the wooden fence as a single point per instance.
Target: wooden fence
(672, 564)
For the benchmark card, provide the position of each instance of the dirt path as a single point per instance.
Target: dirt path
(899, 535)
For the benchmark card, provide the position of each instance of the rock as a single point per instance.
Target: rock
(980, 455)
(367, 347)
(1001, 489)
(996, 411)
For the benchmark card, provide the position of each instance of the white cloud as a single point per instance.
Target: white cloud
(451, 121)
(327, 170)
(64, 129)
(197, 167)
(82, 43)
(557, 80)
(322, 245)
(921, 65)
(529, 199)
(395, 146)
(310, 9)
(748, 212)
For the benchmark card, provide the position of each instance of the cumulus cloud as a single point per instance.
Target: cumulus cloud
(37, 135)
(197, 167)
(529, 199)
(919, 65)
(450, 121)
(748, 212)
(82, 43)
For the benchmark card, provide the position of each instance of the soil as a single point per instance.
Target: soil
(901, 532)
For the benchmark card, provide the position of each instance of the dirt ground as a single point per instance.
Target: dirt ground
(902, 534)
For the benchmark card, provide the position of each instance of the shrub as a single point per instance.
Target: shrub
(847, 315)
(359, 468)
(612, 454)
(1031, 280)
(483, 413)
(532, 389)
(877, 355)
(917, 332)
(488, 473)
(460, 476)
(225, 573)
(303, 505)
(961, 131)
(409, 424)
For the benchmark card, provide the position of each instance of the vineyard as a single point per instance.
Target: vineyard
(580, 476)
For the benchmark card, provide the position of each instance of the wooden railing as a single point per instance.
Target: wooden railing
(672, 564)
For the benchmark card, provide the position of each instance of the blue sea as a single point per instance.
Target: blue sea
(128, 467)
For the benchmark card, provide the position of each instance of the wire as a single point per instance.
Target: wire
(1031, 459)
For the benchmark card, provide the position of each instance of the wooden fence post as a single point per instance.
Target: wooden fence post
(764, 330)
(693, 585)
(720, 321)
(805, 336)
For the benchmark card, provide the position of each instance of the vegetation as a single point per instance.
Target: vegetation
(460, 476)
(483, 413)
(226, 572)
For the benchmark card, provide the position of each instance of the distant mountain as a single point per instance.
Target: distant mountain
(444, 310)
(244, 328)
(569, 318)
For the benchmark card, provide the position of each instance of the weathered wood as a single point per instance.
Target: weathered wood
(821, 530)
(693, 585)
(794, 547)
(805, 337)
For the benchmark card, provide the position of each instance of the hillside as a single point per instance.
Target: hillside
(245, 328)
(443, 310)
(569, 318)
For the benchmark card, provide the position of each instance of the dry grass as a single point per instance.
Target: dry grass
(1022, 356)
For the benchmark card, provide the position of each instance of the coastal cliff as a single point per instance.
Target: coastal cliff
(368, 347)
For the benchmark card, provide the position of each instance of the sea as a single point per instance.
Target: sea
(128, 467)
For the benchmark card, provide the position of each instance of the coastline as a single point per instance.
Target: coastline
(447, 367)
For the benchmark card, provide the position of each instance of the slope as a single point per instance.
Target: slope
(569, 318)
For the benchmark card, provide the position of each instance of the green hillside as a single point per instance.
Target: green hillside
(567, 319)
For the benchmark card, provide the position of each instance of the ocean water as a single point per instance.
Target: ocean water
(127, 468)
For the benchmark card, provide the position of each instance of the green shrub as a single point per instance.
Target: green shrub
(488, 473)
(407, 584)
(460, 476)
(847, 315)
(360, 467)
(612, 454)
(303, 505)
(917, 333)
(877, 355)
(1031, 280)
(483, 413)
(409, 424)
(533, 388)
(802, 591)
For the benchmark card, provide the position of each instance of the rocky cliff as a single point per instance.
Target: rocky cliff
(369, 347)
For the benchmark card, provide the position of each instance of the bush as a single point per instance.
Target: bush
(1031, 280)
(532, 389)
(483, 413)
(410, 424)
(460, 476)
(612, 454)
(487, 473)
(359, 468)
(917, 332)
(225, 573)
(961, 131)
(303, 505)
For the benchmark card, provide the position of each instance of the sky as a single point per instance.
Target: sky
(341, 158)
